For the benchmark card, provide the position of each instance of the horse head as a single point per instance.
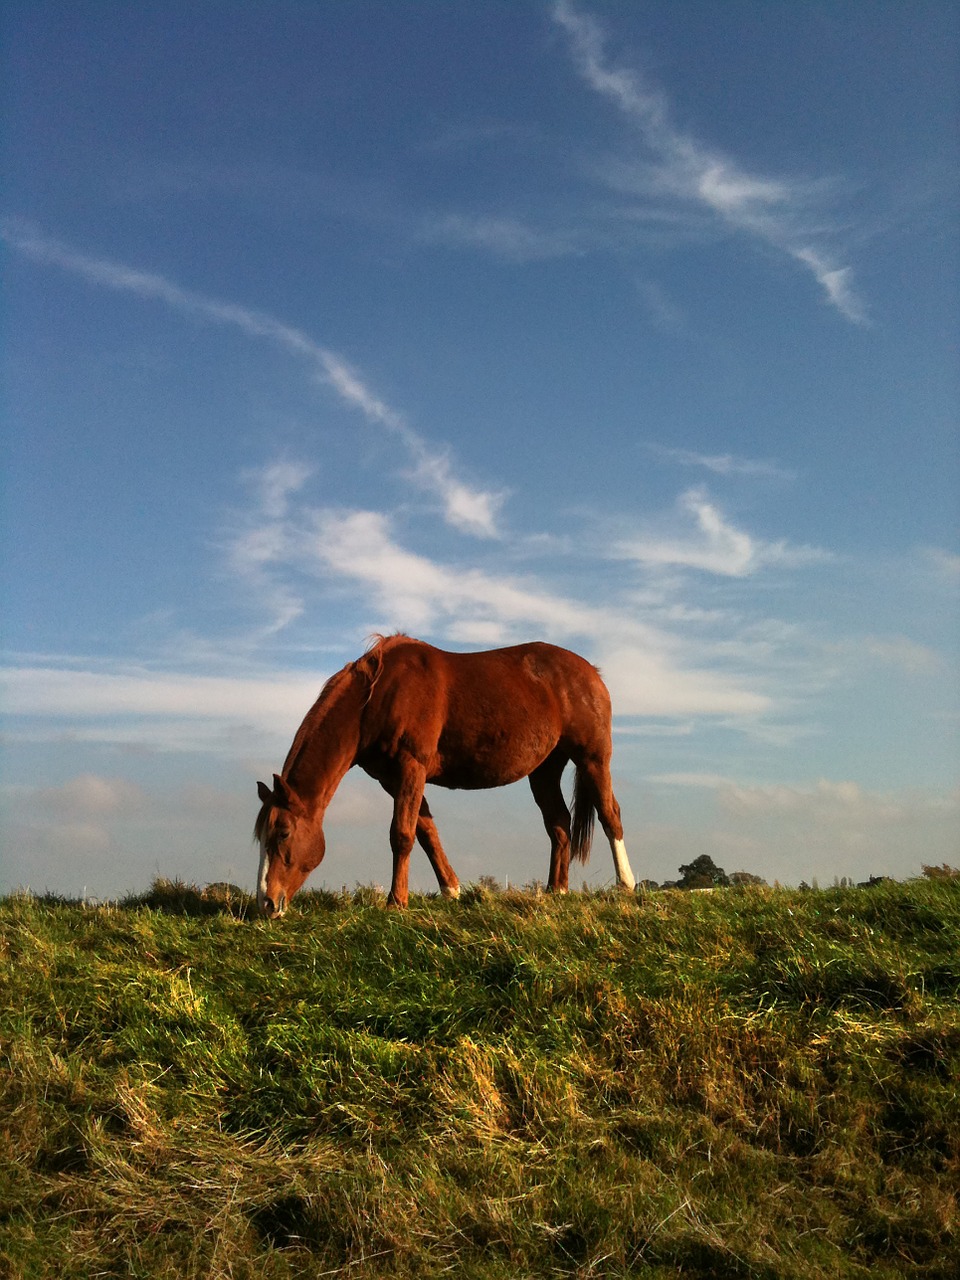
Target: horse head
(291, 846)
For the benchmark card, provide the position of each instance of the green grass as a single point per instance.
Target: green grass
(749, 1083)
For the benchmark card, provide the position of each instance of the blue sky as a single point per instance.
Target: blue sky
(630, 326)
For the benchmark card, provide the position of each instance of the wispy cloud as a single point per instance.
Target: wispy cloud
(662, 653)
(829, 803)
(691, 172)
(89, 796)
(824, 828)
(903, 653)
(275, 484)
(837, 282)
(824, 802)
(414, 591)
(721, 464)
(715, 545)
(945, 564)
(505, 237)
(666, 315)
(55, 691)
(467, 508)
(160, 711)
(650, 670)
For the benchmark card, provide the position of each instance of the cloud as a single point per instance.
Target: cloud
(647, 683)
(945, 564)
(837, 283)
(900, 651)
(163, 708)
(276, 483)
(663, 655)
(505, 237)
(826, 802)
(474, 511)
(723, 464)
(717, 546)
(90, 796)
(824, 828)
(417, 592)
(645, 666)
(281, 544)
(468, 509)
(271, 545)
(707, 781)
(688, 170)
(665, 314)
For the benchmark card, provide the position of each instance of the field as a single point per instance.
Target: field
(747, 1083)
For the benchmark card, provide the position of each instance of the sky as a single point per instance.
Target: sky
(631, 326)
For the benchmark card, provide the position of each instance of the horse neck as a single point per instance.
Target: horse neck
(326, 743)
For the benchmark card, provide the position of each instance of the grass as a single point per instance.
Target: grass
(749, 1083)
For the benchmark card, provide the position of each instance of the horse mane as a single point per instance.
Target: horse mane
(368, 667)
(262, 822)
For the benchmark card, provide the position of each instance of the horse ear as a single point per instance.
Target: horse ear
(264, 792)
(283, 796)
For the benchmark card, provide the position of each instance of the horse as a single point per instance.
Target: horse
(408, 714)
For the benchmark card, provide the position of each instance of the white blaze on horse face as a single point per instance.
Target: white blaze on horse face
(622, 863)
(262, 875)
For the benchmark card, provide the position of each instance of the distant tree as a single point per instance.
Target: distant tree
(745, 877)
(702, 873)
(943, 872)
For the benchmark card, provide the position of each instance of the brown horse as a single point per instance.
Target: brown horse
(409, 714)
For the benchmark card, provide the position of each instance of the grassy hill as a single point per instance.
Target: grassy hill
(748, 1083)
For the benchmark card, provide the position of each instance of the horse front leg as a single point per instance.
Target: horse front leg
(403, 829)
(427, 834)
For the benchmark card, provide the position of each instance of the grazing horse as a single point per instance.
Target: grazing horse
(409, 714)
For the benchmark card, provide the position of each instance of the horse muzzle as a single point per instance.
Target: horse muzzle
(270, 908)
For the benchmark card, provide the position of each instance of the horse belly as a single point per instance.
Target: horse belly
(493, 751)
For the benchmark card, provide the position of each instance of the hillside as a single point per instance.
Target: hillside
(749, 1083)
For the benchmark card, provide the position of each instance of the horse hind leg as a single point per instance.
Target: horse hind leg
(429, 840)
(545, 785)
(595, 773)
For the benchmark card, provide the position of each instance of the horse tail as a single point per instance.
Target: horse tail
(583, 815)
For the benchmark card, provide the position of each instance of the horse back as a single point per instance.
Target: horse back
(483, 719)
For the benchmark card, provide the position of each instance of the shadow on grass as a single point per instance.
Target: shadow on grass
(174, 898)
